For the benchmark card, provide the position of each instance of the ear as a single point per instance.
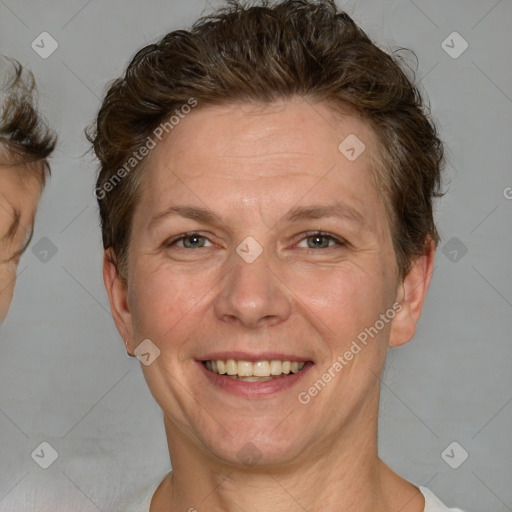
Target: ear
(117, 292)
(411, 295)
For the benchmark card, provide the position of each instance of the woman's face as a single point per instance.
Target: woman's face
(19, 196)
(254, 281)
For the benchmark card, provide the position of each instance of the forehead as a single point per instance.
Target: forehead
(243, 131)
(261, 152)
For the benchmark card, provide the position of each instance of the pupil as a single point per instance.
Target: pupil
(193, 241)
(319, 241)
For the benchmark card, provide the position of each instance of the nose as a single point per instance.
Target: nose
(252, 296)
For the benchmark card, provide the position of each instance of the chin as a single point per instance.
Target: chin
(256, 449)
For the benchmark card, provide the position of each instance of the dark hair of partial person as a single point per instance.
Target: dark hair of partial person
(26, 141)
(262, 53)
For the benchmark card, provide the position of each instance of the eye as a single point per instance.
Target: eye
(313, 240)
(188, 241)
(320, 240)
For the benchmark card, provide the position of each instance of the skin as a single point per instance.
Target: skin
(20, 192)
(250, 165)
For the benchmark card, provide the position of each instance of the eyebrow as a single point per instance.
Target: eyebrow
(338, 209)
(189, 212)
(296, 214)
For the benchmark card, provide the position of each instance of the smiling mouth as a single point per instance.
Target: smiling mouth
(258, 371)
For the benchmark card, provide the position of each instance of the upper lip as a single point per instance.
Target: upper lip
(262, 356)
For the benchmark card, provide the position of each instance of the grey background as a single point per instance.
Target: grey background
(64, 375)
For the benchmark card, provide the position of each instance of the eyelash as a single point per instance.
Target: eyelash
(306, 235)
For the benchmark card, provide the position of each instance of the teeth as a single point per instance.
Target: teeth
(231, 367)
(261, 369)
(276, 367)
(249, 371)
(244, 369)
(221, 367)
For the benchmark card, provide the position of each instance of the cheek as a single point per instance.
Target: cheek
(346, 299)
(162, 300)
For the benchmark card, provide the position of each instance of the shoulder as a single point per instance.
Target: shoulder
(141, 501)
(433, 503)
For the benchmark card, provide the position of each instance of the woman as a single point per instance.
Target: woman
(265, 191)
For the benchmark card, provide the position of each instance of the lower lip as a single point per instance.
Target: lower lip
(263, 389)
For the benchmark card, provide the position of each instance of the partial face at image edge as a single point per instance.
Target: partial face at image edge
(20, 192)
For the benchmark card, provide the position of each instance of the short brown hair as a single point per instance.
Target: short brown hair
(263, 53)
(25, 138)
